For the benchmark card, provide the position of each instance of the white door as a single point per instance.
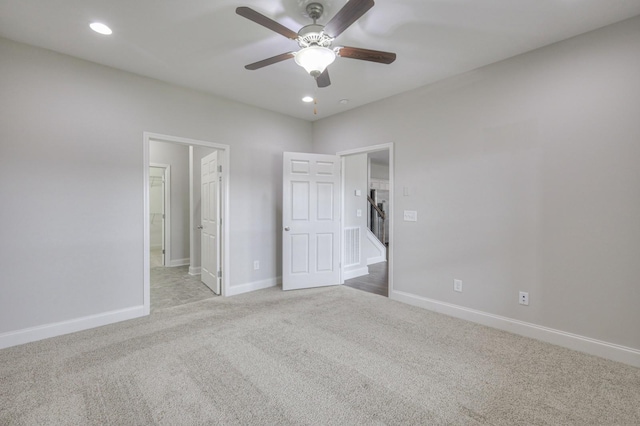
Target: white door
(311, 220)
(210, 213)
(164, 211)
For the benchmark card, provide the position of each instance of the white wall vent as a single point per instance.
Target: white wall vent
(351, 246)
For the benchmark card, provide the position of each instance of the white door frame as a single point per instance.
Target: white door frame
(166, 256)
(364, 150)
(224, 161)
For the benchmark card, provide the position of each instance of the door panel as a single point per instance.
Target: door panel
(324, 252)
(300, 200)
(299, 253)
(210, 212)
(311, 220)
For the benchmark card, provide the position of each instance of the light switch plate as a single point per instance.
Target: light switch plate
(359, 213)
(410, 216)
(358, 193)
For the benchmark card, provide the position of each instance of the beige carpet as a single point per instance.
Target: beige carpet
(323, 356)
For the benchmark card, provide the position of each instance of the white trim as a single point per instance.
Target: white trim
(382, 249)
(146, 241)
(179, 262)
(32, 334)
(367, 149)
(355, 273)
(192, 207)
(342, 216)
(226, 216)
(374, 148)
(565, 339)
(253, 286)
(195, 270)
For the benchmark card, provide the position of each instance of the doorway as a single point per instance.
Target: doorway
(370, 267)
(184, 265)
(159, 184)
(324, 213)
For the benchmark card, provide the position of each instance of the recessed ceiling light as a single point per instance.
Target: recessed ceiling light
(307, 99)
(100, 28)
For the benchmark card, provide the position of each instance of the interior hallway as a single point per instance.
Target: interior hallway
(377, 282)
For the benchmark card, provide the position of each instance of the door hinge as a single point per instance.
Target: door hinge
(220, 273)
(220, 169)
(163, 215)
(162, 251)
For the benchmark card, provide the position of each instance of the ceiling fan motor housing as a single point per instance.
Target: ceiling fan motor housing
(313, 34)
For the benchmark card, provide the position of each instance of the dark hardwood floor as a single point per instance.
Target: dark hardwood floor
(376, 282)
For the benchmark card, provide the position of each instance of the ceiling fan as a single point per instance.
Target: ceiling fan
(315, 40)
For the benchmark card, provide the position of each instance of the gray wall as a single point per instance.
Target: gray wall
(379, 171)
(526, 176)
(355, 178)
(71, 186)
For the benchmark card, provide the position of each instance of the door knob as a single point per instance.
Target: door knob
(286, 228)
(200, 226)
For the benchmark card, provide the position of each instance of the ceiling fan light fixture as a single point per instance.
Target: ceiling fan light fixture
(315, 59)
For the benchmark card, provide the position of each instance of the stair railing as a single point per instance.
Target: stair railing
(380, 214)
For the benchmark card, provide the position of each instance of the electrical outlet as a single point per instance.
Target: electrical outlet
(256, 265)
(524, 298)
(457, 285)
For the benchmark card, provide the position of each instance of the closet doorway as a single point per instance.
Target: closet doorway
(173, 224)
(159, 184)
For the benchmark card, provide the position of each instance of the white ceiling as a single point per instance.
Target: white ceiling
(204, 45)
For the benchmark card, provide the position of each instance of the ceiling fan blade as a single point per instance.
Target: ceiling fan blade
(346, 16)
(323, 79)
(367, 55)
(269, 61)
(269, 23)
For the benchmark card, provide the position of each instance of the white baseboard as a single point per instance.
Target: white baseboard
(374, 260)
(252, 286)
(179, 262)
(32, 334)
(195, 271)
(576, 342)
(354, 273)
